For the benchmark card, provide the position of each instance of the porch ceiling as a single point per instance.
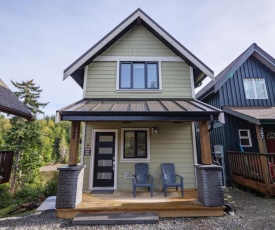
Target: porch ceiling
(256, 115)
(99, 109)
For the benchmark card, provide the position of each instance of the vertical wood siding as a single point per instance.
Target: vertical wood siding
(138, 41)
(213, 99)
(232, 92)
(101, 81)
(172, 144)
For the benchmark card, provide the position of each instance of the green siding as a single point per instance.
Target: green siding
(101, 81)
(172, 144)
(138, 41)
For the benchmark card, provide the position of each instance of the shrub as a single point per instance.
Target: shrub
(5, 196)
(50, 188)
(28, 194)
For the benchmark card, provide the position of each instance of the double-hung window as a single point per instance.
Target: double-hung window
(135, 144)
(245, 138)
(255, 88)
(139, 75)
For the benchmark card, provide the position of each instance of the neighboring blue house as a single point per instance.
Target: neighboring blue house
(245, 91)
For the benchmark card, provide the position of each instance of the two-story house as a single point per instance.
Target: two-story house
(138, 106)
(245, 91)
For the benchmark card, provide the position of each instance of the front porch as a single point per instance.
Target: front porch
(253, 170)
(122, 201)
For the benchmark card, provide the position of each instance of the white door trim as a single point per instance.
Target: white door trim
(91, 180)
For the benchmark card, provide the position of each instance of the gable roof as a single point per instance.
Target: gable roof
(224, 75)
(10, 104)
(138, 17)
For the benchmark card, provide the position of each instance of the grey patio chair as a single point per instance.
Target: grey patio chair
(142, 178)
(169, 178)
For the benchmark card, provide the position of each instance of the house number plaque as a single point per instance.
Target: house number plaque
(87, 151)
(262, 132)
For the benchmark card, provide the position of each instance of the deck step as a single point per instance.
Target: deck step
(123, 218)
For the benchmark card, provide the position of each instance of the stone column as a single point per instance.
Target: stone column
(70, 185)
(210, 186)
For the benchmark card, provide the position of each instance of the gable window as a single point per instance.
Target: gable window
(255, 88)
(139, 75)
(245, 138)
(135, 144)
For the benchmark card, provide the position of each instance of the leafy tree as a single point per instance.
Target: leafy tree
(4, 128)
(24, 137)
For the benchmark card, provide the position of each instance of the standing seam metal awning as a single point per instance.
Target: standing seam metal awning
(138, 110)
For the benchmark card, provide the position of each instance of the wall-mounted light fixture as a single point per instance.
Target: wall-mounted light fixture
(154, 131)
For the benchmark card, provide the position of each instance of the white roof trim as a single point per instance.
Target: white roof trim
(126, 23)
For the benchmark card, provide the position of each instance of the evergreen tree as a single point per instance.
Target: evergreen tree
(24, 137)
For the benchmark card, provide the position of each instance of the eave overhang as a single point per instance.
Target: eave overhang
(76, 69)
(255, 115)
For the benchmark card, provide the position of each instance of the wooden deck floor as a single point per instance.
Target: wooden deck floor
(124, 202)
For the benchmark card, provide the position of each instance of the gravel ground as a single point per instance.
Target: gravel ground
(253, 212)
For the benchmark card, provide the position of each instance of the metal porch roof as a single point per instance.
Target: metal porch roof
(138, 110)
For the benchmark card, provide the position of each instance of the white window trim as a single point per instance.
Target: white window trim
(144, 59)
(245, 137)
(255, 91)
(122, 159)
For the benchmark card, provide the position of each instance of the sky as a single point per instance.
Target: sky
(40, 38)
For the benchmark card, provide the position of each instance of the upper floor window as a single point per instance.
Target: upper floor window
(138, 75)
(255, 88)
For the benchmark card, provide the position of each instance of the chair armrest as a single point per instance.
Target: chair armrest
(133, 177)
(162, 179)
(151, 177)
(177, 175)
(181, 178)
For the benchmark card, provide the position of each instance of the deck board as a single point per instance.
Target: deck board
(123, 202)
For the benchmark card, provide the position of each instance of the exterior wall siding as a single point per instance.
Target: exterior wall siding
(101, 82)
(138, 41)
(213, 99)
(172, 144)
(232, 124)
(232, 92)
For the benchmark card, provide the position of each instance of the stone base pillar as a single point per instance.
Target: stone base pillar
(70, 185)
(210, 186)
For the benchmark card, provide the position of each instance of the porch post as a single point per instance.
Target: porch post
(74, 143)
(263, 158)
(261, 140)
(205, 143)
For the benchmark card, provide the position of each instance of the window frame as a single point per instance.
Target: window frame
(254, 89)
(145, 75)
(248, 137)
(135, 159)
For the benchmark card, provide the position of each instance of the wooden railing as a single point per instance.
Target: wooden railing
(253, 170)
(6, 159)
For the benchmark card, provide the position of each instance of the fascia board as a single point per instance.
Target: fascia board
(101, 44)
(225, 77)
(97, 47)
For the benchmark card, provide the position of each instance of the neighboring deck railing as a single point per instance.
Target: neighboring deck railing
(6, 159)
(253, 170)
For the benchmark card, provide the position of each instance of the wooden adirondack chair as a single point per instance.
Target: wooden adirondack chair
(142, 178)
(169, 178)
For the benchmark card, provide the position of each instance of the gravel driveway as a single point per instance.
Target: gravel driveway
(253, 212)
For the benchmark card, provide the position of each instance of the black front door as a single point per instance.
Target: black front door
(104, 159)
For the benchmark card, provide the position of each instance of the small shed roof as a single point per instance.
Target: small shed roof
(256, 115)
(138, 110)
(10, 104)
